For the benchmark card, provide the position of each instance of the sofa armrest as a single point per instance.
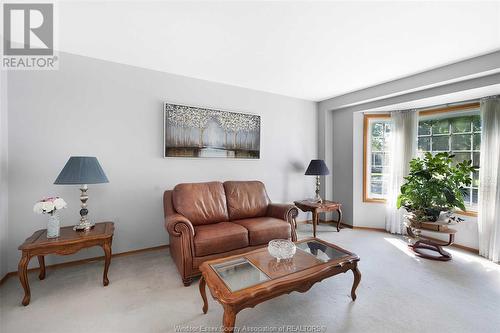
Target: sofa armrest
(176, 225)
(282, 211)
(287, 213)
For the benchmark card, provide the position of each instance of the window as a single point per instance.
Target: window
(377, 131)
(457, 132)
(455, 129)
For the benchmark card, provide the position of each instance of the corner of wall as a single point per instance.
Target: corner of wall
(3, 173)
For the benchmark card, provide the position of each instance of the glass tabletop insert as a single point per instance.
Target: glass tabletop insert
(321, 251)
(239, 274)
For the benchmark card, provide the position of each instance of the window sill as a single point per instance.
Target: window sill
(375, 200)
(467, 213)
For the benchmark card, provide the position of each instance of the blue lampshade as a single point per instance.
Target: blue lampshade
(317, 168)
(81, 170)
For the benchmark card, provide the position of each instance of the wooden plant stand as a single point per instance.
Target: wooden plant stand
(428, 243)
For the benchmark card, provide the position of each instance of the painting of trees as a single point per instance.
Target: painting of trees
(195, 132)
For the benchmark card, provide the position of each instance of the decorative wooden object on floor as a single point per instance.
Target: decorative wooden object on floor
(245, 280)
(316, 208)
(68, 242)
(425, 243)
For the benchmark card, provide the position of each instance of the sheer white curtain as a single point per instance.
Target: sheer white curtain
(489, 180)
(403, 147)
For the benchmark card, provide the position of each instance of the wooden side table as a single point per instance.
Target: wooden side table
(316, 208)
(68, 242)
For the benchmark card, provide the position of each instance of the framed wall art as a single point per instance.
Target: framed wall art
(191, 131)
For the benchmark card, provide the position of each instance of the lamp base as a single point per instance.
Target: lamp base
(317, 200)
(84, 226)
(318, 197)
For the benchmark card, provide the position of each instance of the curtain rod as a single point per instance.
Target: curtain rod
(475, 100)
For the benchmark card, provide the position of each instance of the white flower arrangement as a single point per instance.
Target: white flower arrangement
(49, 205)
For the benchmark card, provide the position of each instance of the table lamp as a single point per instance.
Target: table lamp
(317, 168)
(82, 170)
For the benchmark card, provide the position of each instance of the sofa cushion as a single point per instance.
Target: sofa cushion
(201, 203)
(263, 229)
(246, 199)
(218, 238)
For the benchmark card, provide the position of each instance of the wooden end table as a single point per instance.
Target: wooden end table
(427, 243)
(245, 280)
(68, 242)
(317, 207)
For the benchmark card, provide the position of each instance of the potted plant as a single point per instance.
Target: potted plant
(434, 184)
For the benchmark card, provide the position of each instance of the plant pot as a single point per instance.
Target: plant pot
(433, 214)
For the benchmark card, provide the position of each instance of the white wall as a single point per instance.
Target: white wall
(114, 112)
(3, 174)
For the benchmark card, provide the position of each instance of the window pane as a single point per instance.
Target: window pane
(477, 123)
(424, 143)
(461, 142)
(477, 141)
(378, 129)
(460, 157)
(424, 127)
(440, 143)
(376, 169)
(475, 159)
(475, 179)
(387, 128)
(474, 196)
(467, 196)
(441, 126)
(461, 125)
(377, 159)
(377, 143)
(376, 187)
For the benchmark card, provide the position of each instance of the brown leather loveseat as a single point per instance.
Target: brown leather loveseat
(213, 220)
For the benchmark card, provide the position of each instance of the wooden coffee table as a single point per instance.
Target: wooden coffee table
(245, 280)
(68, 242)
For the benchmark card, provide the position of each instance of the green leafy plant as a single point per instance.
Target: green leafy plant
(434, 184)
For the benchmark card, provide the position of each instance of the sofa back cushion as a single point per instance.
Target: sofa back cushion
(246, 199)
(201, 203)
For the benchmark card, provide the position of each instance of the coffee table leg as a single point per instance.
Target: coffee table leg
(203, 293)
(357, 279)
(107, 260)
(229, 319)
(41, 261)
(23, 277)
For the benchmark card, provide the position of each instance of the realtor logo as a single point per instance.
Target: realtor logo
(28, 33)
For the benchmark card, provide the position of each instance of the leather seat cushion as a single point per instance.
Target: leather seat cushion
(201, 203)
(263, 229)
(219, 237)
(246, 199)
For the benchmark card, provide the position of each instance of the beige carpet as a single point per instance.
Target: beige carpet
(398, 293)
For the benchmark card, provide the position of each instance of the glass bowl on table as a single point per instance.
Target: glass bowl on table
(281, 249)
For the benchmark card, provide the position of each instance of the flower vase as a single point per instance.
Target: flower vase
(53, 225)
